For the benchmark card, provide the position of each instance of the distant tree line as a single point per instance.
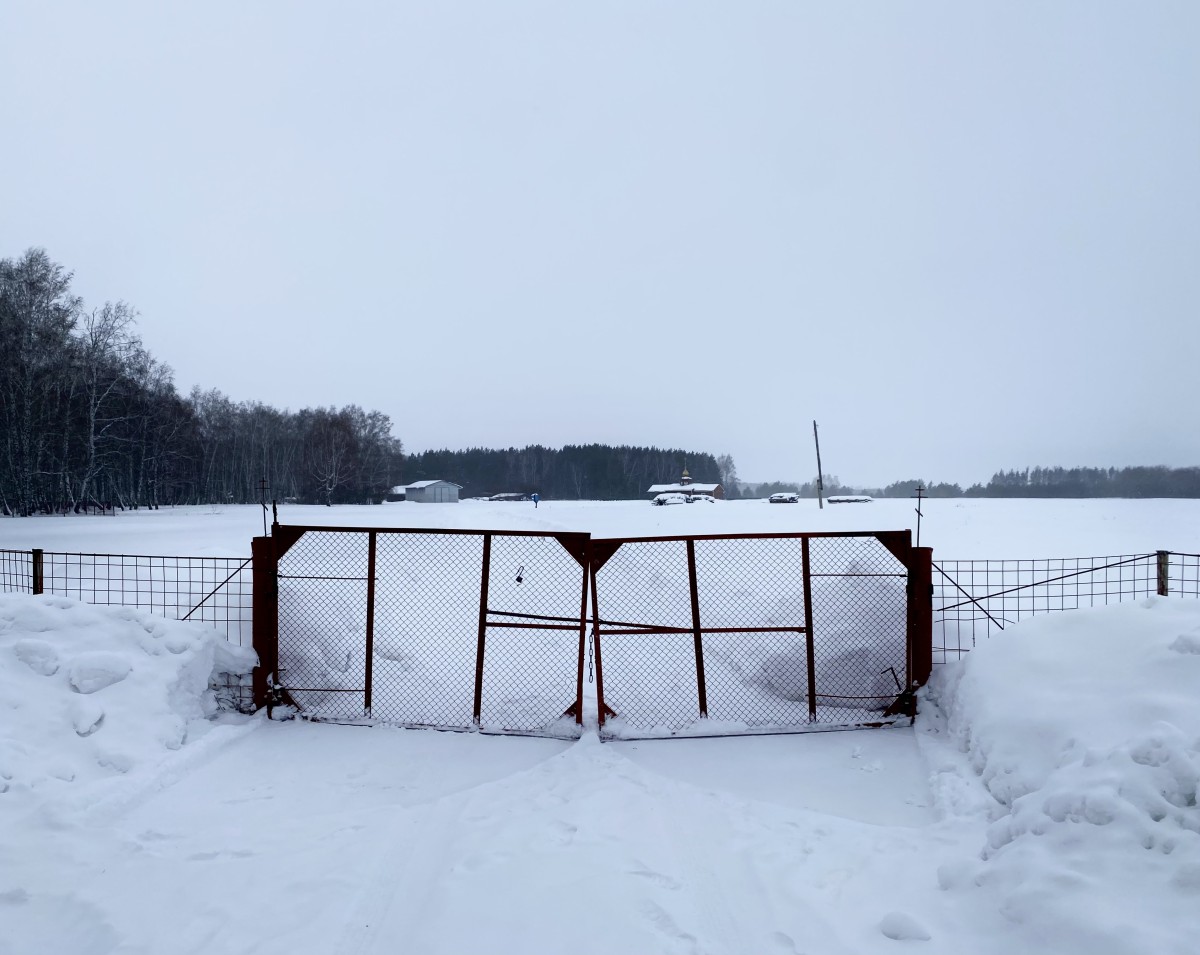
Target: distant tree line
(592, 471)
(1031, 482)
(1091, 482)
(88, 418)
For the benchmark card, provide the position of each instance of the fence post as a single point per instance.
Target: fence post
(265, 613)
(920, 615)
(39, 580)
(1164, 567)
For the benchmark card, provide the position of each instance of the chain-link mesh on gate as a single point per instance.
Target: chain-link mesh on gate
(322, 623)
(452, 629)
(751, 633)
(860, 600)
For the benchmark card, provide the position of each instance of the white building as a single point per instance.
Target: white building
(687, 486)
(432, 492)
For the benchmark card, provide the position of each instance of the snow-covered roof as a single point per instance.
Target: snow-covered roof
(420, 484)
(683, 488)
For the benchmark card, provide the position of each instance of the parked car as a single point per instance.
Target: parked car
(692, 498)
(669, 497)
(784, 497)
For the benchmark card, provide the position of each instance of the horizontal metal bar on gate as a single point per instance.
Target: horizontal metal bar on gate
(308, 528)
(646, 629)
(320, 689)
(858, 575)
(533, 616)
(791, 535)
(1049, 580)
(657, 628)
(513, 625)
(316, 577)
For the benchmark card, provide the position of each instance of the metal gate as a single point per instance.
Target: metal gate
(442, 628)
(751, 633)
(691, 635)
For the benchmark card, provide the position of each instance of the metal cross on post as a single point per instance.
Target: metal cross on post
(920, 496)
(263, 487)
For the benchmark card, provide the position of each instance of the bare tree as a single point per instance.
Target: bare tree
(37, 315)
(106, 352)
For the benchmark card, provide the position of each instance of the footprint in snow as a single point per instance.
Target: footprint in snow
(658, 878)
(903, 927)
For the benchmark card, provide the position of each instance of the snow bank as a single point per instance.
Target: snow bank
(92, 692)
(1084, 729)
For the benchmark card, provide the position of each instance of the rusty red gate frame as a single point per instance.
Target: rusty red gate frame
(917, 624)
(590, 555)
(268, 552)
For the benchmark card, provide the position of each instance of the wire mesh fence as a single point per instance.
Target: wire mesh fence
(747, 633)
(452, 629)
(1183, 574)
(16, 571)
(216, 591)
(975, 599)
(211, 590)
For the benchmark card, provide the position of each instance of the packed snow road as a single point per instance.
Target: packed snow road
(298, 837)
(1046, 800)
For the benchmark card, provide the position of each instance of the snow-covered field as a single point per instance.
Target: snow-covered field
(1045, 800)
(955, 529)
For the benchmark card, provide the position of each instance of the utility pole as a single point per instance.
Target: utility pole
(820, 478)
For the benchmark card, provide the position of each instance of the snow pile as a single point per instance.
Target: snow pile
(92, 692)
(1084, 729)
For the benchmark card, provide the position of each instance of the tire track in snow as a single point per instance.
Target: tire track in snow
(590, 852)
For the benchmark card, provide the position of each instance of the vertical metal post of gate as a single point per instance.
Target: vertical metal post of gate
(370, 661)
(920, 616)
(477, 707)
(38, 570)
(265, 616)
(810, 654)
(696, 635)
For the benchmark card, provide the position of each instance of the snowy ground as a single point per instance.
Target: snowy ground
(1045, 801)
(955, 529)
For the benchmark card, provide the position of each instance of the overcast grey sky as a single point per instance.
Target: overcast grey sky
(962, 236)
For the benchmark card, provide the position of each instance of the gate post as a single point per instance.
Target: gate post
(38, 571)
(1164, 568)
(265, 616)
(920, 615)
